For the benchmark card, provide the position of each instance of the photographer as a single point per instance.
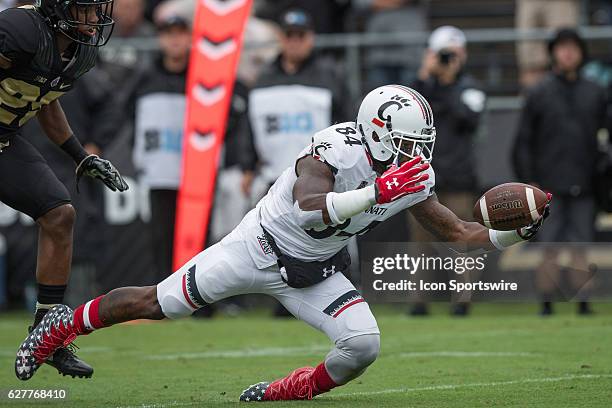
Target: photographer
(556, 148)
(457, 104)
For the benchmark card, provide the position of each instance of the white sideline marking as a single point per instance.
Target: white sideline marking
(474, 385)
(466, 354)
(241, 353)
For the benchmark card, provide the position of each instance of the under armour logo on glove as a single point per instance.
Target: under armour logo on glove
(401, 181)
(390, 184)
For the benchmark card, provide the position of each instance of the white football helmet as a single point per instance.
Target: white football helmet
(396, 120)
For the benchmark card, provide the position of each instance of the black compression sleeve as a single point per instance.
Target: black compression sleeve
(73, 147)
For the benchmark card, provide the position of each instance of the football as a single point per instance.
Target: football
(510, 206)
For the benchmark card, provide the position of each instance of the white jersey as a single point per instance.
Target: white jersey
(158, 138)
(283, 119)
(340, 147)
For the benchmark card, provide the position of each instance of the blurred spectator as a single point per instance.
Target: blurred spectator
(392, 64)
(600, 71)
(556, 149)
(457, 103)
(297, 95)
(183, 8)
(254, 56)
(155, 100)
(327, 15)
(4, 4)
(602, 13)
(150, 7)
(130, 23)
(531, 14)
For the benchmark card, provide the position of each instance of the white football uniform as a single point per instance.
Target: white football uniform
(340, 147)
(243, 262)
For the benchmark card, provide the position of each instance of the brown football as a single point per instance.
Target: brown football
(510, 206)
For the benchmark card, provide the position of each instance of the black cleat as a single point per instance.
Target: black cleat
(67, 363)
(255, 393)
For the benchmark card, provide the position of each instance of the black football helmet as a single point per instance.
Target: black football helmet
(65, 16)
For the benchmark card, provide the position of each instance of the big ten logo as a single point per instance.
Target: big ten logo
(168, 140)
(9, 217)
(129, 206)
(298, 122)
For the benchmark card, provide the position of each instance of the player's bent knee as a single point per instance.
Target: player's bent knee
(363, 350)
(351, 357)
(59, 219)
(173, 304)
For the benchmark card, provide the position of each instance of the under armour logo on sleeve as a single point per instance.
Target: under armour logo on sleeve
(329, 272)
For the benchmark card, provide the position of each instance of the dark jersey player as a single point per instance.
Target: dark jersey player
(43, 50)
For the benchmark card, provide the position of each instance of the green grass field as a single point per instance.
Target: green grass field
(502, 356)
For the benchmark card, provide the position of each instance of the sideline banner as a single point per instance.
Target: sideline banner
(217, 40)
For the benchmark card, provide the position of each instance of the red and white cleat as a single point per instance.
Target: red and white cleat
(54, 331)
(302, 384)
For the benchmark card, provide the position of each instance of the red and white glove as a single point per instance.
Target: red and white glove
(400, 181)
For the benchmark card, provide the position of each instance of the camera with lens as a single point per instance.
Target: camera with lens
(446, 56)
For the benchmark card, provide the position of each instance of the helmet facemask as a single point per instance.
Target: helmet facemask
(76, 13)
(407, 146)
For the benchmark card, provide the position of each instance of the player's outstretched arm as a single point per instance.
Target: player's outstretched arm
(447, 227)
(316, 204)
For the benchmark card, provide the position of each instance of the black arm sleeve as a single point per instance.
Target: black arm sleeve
(19, 35)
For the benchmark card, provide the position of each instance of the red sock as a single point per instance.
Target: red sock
(303, 383)
(87, 318)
